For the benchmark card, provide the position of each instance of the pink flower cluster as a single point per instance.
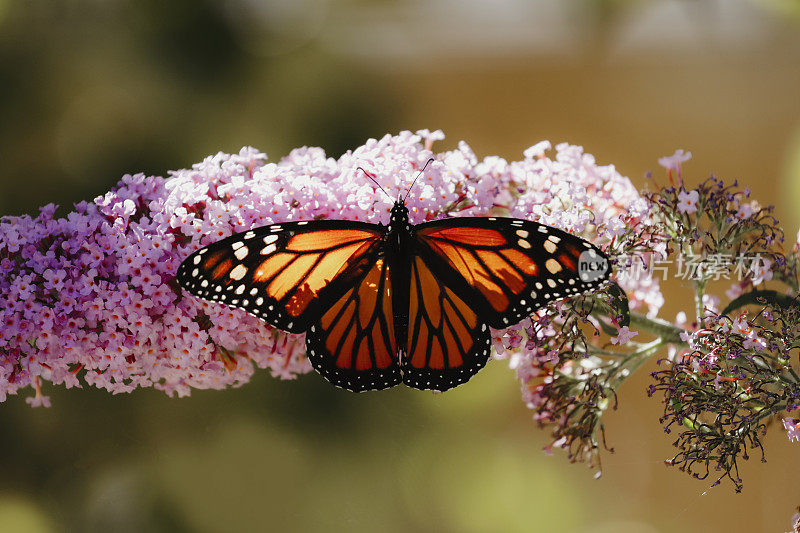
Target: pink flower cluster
(594, 201)
(90, 298)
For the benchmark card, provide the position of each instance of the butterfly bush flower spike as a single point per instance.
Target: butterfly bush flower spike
(91, 298)
(733, 368)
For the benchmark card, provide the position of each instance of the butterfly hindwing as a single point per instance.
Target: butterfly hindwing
(447, 343)
(508, 268)
(352, 344)
(282, 273)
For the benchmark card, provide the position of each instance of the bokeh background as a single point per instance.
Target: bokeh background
(93, 89)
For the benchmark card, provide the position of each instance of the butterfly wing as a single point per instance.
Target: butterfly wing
(471, 273)
(507, 268)
(447, 342)
(331, 279)
(286, 274)
(352, 344)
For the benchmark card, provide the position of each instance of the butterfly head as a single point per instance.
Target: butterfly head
(399, 216)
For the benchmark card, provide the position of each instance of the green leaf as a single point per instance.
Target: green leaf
(772, 298)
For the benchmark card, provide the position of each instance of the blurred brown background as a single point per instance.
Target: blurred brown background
(92, 89)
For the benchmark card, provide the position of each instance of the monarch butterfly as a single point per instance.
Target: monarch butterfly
(381, 305)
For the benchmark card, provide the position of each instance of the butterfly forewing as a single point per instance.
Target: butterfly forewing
(508, 268)
(280, 272)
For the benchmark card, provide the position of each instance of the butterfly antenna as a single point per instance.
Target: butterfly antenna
(371, 176)
(415, 179)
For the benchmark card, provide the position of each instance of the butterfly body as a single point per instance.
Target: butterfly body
(399, 244)
(401, 303)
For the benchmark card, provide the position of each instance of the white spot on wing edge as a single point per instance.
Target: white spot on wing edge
(553, 266)
(238, 272)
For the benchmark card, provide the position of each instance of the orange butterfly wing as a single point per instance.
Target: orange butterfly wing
(447, 343)
(508, 268)
(353, 343)
(471, 273)
(282, 272)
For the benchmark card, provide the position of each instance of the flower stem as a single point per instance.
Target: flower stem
(633, 361)
(700, 291)
(666, 331)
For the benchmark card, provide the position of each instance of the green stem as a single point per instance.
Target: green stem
(632, 362)
(667, 331)
(700, 291)
(767, 411)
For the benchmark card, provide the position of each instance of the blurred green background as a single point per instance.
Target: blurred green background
(92, 89)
